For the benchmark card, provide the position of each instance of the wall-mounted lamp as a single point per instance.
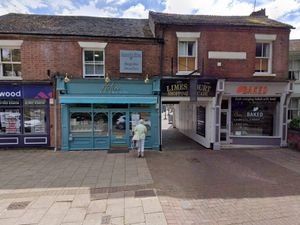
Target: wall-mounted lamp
(106, 79)
(66, 79)
(146, 79)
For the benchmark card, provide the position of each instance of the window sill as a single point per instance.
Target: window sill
(264, 75)
(186, 73)
(11, 78)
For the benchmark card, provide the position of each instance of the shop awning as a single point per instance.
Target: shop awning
(108, 99)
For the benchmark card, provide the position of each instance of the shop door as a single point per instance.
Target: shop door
(119, 129)
(224, 132)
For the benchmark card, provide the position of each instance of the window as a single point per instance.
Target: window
(80, 123)
(10, 121)
(263, 58)
(93, 63)
(294, 109)
(187, 52)
(254, 116)
(187, 56)
(35, 116)
(10, 62)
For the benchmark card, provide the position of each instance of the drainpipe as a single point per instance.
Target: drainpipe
(161, 42)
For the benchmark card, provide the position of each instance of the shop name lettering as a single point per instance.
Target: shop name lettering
(10, 94)
(182, 90)
(110, 88)
(252, 90)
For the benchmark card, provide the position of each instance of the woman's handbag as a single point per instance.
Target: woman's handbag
(135, 137)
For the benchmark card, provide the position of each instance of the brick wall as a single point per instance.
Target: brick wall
(65, 56)
(231, 40)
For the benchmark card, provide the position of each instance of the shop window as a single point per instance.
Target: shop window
(187, 56)
(35, 116)
(254, 116)
(10, 121)
(93, 63)
(80, 123)
(10, 62)
(294, 109)
(35, 120)
(101, 124)
(136, 116)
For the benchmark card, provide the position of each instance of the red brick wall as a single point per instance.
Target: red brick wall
(233, 40)
(65, 56)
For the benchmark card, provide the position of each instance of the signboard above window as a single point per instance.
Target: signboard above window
(131, 61)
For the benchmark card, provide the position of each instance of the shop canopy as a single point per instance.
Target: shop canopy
(108, 99)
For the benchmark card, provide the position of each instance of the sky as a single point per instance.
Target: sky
(287, 11)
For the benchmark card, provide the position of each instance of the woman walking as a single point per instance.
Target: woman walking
(141, 131)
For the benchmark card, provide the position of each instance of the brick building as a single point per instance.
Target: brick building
(227, 76)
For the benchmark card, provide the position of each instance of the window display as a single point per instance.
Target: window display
(101, 124)
(253, 116)
(34, 120)
(10, 121)
(81, 122)
(136, 116)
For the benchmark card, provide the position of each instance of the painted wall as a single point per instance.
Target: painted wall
(185, 117)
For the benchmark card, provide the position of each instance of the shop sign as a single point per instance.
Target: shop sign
(25, 91)
(181, 87)
(110, 88)
(252, 90)
(131, 61)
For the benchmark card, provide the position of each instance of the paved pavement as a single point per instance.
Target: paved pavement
(171, 187)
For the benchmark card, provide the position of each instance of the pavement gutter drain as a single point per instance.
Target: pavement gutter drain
(18, 205)
(105, 219)
(144, 193)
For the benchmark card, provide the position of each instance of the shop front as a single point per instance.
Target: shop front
(24, 115)
(99, 116)
(193, 100)
(254, 113)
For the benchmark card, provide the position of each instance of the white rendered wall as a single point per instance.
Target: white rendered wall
(185, 117)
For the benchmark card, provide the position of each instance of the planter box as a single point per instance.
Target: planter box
(294, 138)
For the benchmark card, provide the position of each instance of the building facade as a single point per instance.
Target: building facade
(93, 78)
(247, 57)
(294, 72)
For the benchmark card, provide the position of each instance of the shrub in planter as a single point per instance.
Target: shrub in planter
(295, 124)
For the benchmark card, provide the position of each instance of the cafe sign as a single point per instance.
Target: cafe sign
(181, 87)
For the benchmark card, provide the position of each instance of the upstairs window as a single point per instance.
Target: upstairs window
(262, 61)
(187, 52)
(187, 56)
(263, 54)
(93, 63)
(10, 62)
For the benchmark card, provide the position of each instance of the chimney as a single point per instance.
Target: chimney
(259, 13)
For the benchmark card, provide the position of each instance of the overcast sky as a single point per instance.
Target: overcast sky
(287, 11)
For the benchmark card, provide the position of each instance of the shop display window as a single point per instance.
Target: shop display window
(80, 122)
(101, 124)
(34, 120)
(254, 116)
(136, 116)
(10, 121)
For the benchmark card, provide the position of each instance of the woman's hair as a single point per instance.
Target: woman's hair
(141, 121)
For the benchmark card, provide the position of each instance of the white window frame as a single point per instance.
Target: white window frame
(10, 44)
(296, 108)
(187, 37)
(266, 39)
(83, 63)
(92, 46)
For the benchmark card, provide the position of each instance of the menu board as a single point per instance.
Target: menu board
(200, 121)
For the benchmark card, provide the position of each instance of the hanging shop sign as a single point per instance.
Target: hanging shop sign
(181, 88)
(131, 61)
(25, 91)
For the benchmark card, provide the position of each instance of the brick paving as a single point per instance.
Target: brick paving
(170, 187)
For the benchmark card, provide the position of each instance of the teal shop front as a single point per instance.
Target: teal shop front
(98, 116)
